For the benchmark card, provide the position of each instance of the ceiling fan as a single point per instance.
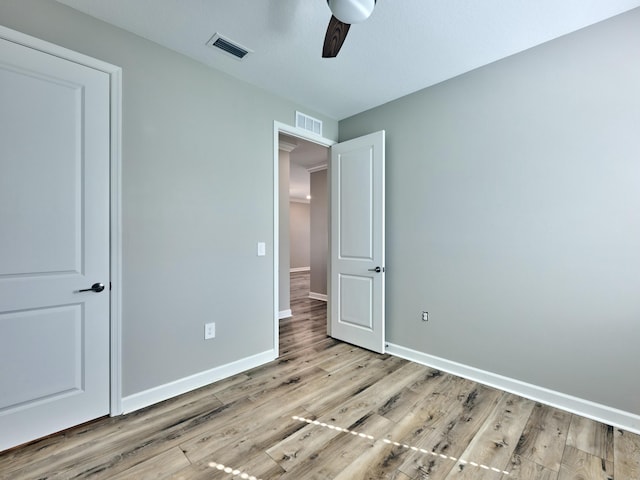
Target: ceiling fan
(344, 13)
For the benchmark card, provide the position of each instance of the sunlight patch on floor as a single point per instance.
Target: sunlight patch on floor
(232, 471)
(397, 444)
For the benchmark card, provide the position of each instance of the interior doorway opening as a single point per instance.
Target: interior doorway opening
(301, 206)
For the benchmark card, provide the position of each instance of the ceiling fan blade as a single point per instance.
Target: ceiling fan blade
(333, 40)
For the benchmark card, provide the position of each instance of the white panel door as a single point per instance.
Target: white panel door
(54, 242)
(357, 241)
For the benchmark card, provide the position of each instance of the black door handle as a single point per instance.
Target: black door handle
(96, 287)
(377, 269)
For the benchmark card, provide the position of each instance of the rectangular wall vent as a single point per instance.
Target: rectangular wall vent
(308, 123)
(228, 46)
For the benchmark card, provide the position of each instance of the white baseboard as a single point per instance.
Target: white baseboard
(318, 296)
(299, 269)
(184, 385)
(285, 314)
(601, 413)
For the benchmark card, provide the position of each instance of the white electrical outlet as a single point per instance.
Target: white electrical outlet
(425, 316)
(209, 330)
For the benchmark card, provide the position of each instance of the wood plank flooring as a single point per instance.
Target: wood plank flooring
(328, 410)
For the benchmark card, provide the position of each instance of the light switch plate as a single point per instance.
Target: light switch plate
(209, 330)
(262, 249)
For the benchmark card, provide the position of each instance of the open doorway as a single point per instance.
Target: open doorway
(302, 226)
(304, 215)
(307, 215)
(356, 252)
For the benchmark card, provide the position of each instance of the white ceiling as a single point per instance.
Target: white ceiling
(406, 45)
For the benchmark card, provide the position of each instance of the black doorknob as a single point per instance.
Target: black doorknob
(96, 287)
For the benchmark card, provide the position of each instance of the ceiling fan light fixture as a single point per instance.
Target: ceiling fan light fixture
(351, 11)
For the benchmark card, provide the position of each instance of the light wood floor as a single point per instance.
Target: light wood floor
(328, 410)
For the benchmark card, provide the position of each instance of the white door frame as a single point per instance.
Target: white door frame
(278, 128)
(115, 204)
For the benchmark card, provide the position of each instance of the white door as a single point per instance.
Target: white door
(357, 242)
(54, 242)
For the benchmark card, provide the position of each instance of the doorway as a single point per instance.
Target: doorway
(300, 171)
(356, 226)
(307, 203)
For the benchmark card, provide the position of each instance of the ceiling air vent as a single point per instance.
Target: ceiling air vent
(229, 47)
(308, 123)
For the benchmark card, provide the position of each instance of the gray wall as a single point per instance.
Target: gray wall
(513, 215)
(197, 197)
(299, 231)
(283, 233)
(319, 232)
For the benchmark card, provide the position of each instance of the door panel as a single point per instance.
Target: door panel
(357, 241)
(356, 294)
(46, 344)
(356, 207)
(55, 182)
(54, 232)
